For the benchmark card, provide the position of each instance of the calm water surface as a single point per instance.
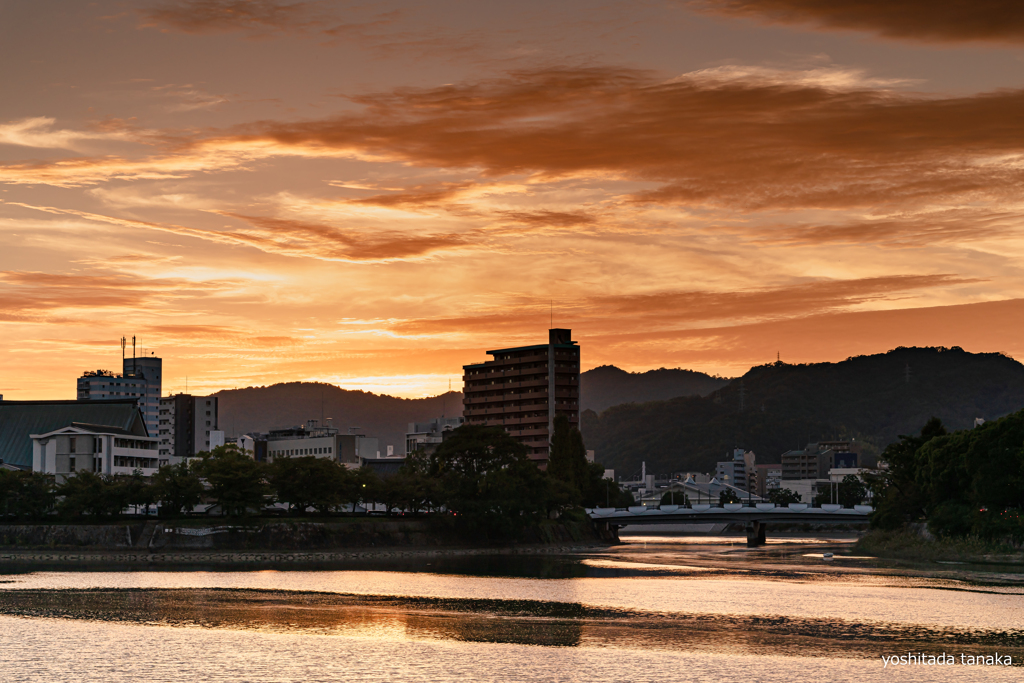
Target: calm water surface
(653, 609)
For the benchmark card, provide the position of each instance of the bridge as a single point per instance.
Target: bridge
(754, 517)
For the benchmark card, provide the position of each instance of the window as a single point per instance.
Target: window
(71, 444)
(71, 464)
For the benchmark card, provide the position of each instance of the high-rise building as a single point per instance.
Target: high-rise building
(151, 369)
(523, 388)
(140, 379)
(186, 426)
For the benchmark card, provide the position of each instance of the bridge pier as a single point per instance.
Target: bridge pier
(756, 534)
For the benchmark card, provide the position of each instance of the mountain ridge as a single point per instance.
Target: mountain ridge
(778, 407)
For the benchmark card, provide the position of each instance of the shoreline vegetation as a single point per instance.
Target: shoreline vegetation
(478, 486)
(273, 535)
(951, 496)
(907, 544)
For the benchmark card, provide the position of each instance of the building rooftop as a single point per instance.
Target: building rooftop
(18, 419)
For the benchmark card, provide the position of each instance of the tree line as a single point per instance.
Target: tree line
(965, 483)
(480, 476)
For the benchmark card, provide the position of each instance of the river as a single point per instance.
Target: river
(655, 608)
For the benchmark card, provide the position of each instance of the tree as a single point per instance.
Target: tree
(487, 481)
(26, 495)
(726, 496)
(86, 493)
(177, 488)
(899, 495)
(236, 481)
(567, 460)
(783, 497)
(309, 481)
(139, 491)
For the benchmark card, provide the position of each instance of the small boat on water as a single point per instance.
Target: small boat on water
(827, 557)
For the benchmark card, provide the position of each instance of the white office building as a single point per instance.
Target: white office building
(94, 448)
(140, 379)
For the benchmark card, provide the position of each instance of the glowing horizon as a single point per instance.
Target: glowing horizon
(374, 195)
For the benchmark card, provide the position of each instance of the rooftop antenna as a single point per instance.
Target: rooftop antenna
(133, 354)
(123, 343)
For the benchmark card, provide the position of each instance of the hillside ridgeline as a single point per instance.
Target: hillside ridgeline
(260, 409)
(778, 407)
(607, 386)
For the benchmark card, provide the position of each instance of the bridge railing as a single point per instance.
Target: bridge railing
(696, 508)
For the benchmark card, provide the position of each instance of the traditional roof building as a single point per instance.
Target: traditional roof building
(20, 419)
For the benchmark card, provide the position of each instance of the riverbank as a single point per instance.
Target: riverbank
(115, 561)
(911, 545)
(220, 539)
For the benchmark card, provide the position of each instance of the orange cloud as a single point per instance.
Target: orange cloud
(285, 236)
(672, 309)
(544, 218)
(27, 296)
(216, 16)
(933, 21)
(739, 143)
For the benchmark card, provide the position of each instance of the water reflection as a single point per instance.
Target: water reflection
(523, 622)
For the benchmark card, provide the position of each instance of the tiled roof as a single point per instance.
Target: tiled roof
(18, 419)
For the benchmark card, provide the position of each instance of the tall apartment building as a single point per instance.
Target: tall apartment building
(141, 379)
(186, 423)
(523, 388)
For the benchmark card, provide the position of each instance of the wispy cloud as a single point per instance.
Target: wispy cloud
(671, 309)
(933, 21)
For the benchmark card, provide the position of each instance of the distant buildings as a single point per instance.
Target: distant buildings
(141, 379)
(187, 426)
(321, 442)
(811, 470)
(523, 388)
(768, 478)
(739, 471)
(427, 436)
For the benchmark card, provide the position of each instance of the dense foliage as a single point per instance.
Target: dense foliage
(480, 479)
(779, 407)
(607, 386)
(969, 482)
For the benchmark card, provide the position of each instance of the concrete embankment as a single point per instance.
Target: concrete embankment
(271, 541)
(117, 560)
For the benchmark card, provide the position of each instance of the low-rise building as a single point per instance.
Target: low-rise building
(768, 478)
(321, 442)
(738, 471)
(20, 419)
(103, 449)
(427, 436)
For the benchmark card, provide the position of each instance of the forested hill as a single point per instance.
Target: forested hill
(778, 407)
(260, 409)
(607, 386)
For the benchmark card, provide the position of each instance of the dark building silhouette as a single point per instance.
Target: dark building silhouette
(523, 388)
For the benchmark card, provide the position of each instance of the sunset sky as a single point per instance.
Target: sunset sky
(374, 193)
